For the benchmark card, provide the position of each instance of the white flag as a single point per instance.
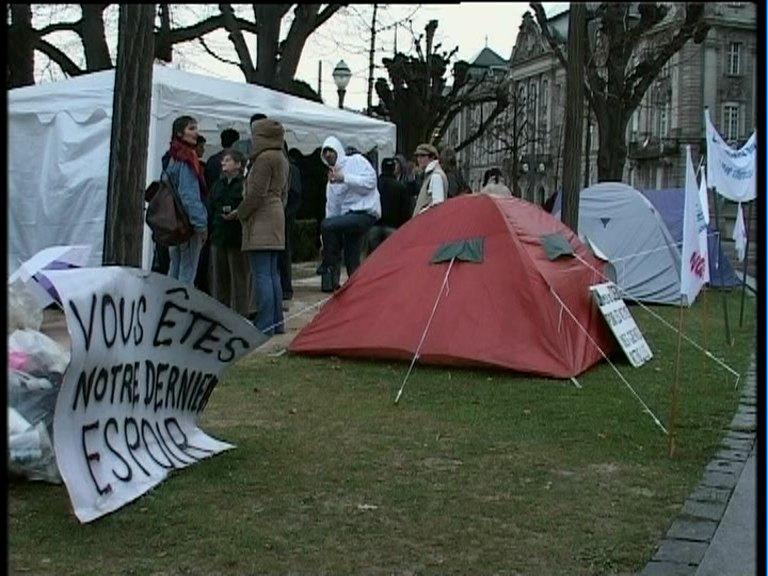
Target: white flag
(695, 265)
(732, 172)
(740, 234)
(704, 197)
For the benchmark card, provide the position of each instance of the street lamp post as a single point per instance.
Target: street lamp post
(341, 76)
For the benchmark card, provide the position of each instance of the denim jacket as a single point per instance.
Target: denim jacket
(186, 183)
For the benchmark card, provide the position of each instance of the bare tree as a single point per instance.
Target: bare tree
(123, 236)
(574, 115)
(618, 70)
(418, 100)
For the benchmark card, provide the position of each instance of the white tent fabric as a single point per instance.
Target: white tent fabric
(59, 141)
(626, 227)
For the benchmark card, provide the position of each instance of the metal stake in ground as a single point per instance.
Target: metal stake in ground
(675, 385)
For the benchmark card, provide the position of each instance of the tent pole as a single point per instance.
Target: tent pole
(746, 261)
(720, 270)
(673, 411)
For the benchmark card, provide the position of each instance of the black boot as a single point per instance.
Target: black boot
(330, 279)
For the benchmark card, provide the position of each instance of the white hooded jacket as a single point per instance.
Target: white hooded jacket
(359, 191)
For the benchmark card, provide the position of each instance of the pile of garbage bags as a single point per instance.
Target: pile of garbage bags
(36, 366)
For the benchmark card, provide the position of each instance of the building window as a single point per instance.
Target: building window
(731, 122)
(734, 58)
(544, 97)
(663, 122)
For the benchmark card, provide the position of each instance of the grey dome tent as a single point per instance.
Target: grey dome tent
(626, 227)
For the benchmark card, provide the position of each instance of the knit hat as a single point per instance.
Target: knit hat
(427, 149)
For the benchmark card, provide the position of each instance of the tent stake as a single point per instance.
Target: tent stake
(673, 411)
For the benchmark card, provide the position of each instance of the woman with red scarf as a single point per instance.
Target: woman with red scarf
(185, 174)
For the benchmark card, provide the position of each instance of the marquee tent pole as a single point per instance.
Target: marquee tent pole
(720, 270)
(746, 260)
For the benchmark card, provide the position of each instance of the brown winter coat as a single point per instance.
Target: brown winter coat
(261, 211)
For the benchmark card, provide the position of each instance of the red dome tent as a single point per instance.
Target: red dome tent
(484, 281)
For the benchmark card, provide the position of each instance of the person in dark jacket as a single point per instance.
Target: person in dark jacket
(396, 205)
(291, 209)
(213, 165)
(456, 183)
(230, 263)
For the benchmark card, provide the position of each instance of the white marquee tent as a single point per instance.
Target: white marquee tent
(59, 141)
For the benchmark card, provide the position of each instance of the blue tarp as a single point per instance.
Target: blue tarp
(670, 204)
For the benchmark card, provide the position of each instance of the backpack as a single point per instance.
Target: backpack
(166, 216)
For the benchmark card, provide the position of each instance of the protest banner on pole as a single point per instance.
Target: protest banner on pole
(694, 259)
(147, 353)
(733, 172)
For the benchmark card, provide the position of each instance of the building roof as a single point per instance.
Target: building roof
(487, 58)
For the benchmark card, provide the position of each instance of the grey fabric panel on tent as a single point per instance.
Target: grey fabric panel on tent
(625, 226)
(464, 250)
(556, 245)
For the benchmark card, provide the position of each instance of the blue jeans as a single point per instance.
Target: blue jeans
(184, 260)
(269, 291)
(345, 231)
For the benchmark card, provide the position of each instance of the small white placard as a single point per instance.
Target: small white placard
(623, 326)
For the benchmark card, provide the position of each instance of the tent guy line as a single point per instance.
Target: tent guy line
(429, 323)
(646, 252)
(605, 356)
(667, 324)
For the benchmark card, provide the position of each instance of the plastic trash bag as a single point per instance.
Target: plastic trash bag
(35, 353)
(36, 366)
(24, 313)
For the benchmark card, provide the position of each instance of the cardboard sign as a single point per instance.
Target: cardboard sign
(622, 324)
(147, 352)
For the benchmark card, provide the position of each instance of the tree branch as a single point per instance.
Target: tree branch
(326, 13)
(213, 54)
(65, 63)
(200, 29)
(541, 18)
(647, 71)
(60, 27)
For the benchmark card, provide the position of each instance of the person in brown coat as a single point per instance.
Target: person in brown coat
(263, 220)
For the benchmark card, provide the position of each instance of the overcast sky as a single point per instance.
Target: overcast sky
(470, 26)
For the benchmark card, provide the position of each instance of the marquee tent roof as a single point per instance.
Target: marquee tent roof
(57, 196)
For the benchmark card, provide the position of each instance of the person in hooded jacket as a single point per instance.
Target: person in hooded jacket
(263, 221)
(353, 206)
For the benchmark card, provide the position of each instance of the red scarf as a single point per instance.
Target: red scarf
(183, 152)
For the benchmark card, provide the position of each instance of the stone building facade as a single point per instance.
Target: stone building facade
(719, 74)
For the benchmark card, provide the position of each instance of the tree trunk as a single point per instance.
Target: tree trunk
(97, 55)
(21, 47)
(268, 18)
(124, 230)
(612, 153)
(574, 115)
(371, 55)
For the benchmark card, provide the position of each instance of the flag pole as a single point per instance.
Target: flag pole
(720, 269)
(675, 385)
(746, 262)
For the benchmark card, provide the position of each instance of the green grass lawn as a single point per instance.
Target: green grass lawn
(474, 472)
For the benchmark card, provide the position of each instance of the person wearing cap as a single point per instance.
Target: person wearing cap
(353, 206)
(435, 186)
(396, 204)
